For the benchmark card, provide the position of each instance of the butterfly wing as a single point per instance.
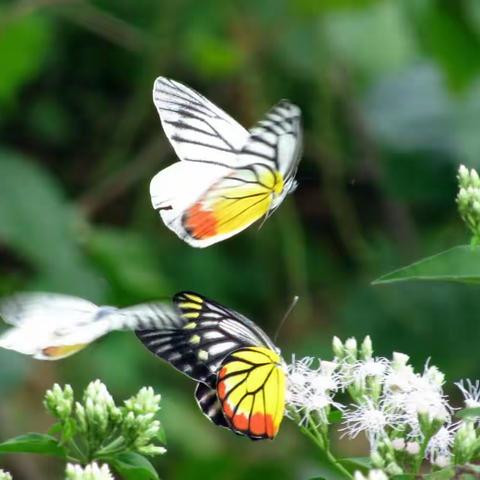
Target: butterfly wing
(276, 142)
(251, 390)
(208, 333)
(208, 402)
(198, 130)
(44, 324)
(264, 174)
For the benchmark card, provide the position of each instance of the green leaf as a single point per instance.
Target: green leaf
(459, 264)
(33, 443)
(444, 474)
(39, 224)
(132, 466)
(473, 412)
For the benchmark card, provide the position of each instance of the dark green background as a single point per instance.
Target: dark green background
(390, 92)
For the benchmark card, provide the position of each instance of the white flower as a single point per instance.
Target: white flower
(373, 367)
(5, 475)
(311, 389)
(90, 472)
(470, 392)
(440, 444)
(411, 394)
(371, 419)
(373, 474)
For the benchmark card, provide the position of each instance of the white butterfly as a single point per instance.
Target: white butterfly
(51, 326)
(228, 177)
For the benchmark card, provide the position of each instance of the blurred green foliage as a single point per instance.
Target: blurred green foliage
(390, 92)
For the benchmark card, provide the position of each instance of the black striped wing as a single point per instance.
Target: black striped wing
(209, 332)
(197, 129)
(275, 142)
(210, 405)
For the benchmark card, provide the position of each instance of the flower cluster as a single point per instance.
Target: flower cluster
(104, 428)
(90, 472)
(404, 414)
(468, 200)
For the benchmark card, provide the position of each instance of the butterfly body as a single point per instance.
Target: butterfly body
(239, 372)
(227, 177)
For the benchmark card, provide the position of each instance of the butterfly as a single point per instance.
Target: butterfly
(50, 326)
(240, 375)
(228, 177)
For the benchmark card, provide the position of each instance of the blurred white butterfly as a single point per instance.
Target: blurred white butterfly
(228, 177)
(51, 326)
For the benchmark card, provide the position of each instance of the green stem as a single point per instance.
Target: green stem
(78, 451)
(117, 444)
(321, 440)
(417, 464)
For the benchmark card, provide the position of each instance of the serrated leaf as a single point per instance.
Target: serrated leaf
(132, 466)
(459, 264)
(469, 413)
(33, 443)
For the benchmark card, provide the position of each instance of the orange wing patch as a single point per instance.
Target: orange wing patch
(251, 389)
(232, 204)
(62, 351)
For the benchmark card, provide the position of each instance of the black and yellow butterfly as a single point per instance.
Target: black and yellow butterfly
(240, 373)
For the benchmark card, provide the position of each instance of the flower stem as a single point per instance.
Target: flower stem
(321, 440)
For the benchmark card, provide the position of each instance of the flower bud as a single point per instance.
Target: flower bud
(399, 360)
(366, 349)
(377, 459)
(413, 448)
(398, 444)
(90, 472)
(465, 442)
(351, 349)
(393, 469)
(152, 450)
(337, 347)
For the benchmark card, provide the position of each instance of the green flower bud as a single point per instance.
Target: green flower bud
(377, 459)
(59, 402)
(393, 469)
(464, 443)
(152, 450)
(351, 349)
(366, 349)
(337, 347)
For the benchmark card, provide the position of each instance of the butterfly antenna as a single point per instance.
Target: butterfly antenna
(285, 316)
